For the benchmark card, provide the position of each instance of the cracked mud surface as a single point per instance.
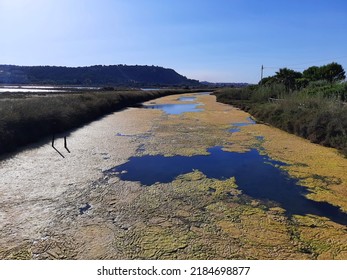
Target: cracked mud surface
(55, 208)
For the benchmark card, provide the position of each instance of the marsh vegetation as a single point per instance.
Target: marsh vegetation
(311, 105)
(26, 118)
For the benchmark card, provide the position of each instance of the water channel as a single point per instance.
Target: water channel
(180, 177)
(256, 175)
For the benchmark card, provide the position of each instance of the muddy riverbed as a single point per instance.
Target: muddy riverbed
(165, 181)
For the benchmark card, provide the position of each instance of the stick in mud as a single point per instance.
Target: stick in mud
(65, 146)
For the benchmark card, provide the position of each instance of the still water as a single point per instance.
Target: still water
(256, 175)
(30, 89)
(235, 127)
(176, 109)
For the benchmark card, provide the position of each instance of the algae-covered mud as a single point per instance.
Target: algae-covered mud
(181, 177)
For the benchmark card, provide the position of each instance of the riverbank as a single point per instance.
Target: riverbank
(322, 121)
(27, 118)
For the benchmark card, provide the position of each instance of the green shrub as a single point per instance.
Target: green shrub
(315, 113)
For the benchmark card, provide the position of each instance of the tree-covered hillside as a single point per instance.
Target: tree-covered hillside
(113, 75)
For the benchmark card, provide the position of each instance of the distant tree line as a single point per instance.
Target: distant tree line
(293, 80)
(311, 104)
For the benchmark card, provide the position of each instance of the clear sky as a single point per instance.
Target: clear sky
(213, 40)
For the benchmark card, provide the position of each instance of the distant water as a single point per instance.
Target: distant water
(43, 88)
(256, 175)
(148, 89)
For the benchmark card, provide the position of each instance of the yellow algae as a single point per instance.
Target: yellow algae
(241, 142)
(326, 239)
(214, 189)
(196, 175)
(220, 114)
(160, 242)
(230, 228)
(193, 133)
(22, 252)
(186, 220)
(261, 231)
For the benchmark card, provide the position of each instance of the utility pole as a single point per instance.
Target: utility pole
(261, 74)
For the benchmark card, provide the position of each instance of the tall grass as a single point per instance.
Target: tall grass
(316, 113)
(26, 120)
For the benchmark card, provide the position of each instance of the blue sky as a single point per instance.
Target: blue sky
(213, 40)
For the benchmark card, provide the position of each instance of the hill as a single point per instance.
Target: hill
(113, 75)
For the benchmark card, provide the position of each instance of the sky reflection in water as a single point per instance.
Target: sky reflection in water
(176, 109)
(256, 175)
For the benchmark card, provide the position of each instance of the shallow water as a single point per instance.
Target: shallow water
(236, 126)
(176, 109)
(256, 175)
(31, 89)
(250, 121)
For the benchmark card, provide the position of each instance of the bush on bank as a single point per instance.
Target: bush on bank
(317, 112)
